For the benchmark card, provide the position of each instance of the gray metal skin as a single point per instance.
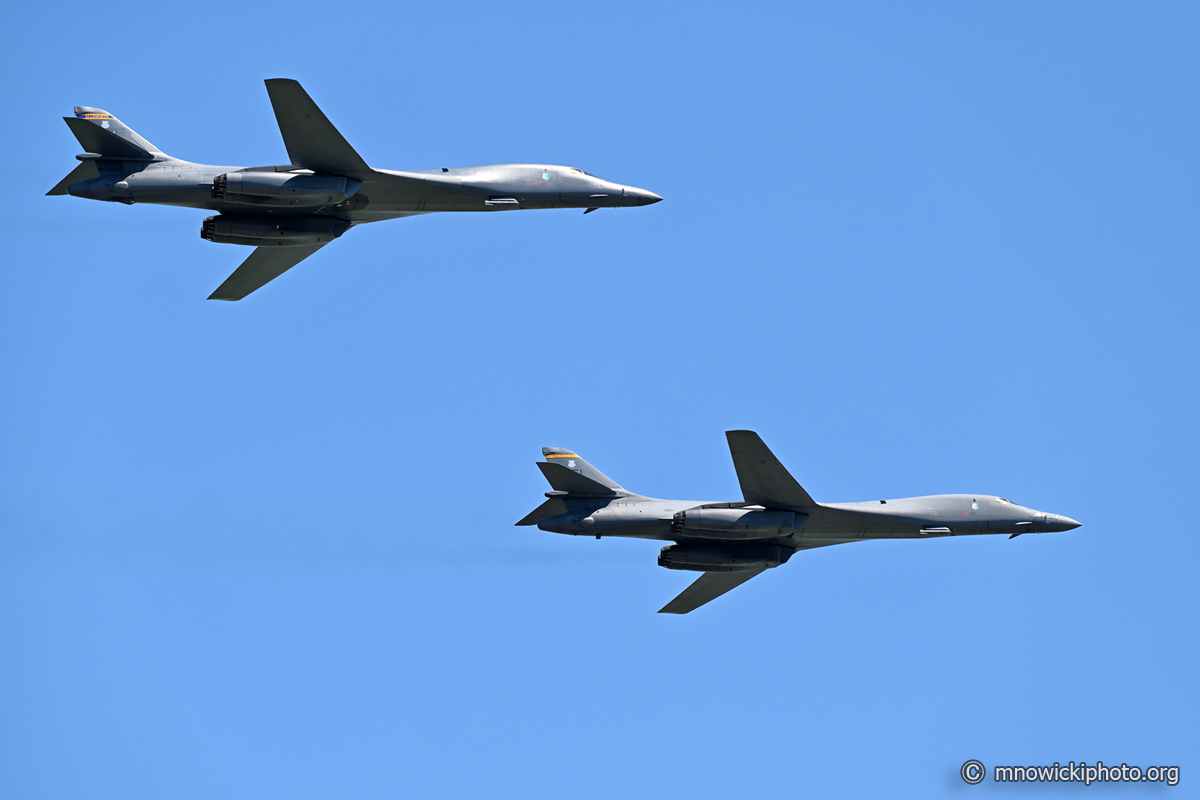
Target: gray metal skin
(122, 167)
(173, 182)
(638, 517)
(621, 513)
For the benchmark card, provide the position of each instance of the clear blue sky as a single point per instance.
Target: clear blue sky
(266, 549)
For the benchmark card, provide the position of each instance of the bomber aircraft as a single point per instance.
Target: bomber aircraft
(734, 541)
(288, 212)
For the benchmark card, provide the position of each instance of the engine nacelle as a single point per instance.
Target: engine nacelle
(285, 189)
(735, 523)
(272, 231)
(715, 558)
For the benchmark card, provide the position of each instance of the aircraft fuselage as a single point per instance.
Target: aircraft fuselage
(636, 516)
(384, 194)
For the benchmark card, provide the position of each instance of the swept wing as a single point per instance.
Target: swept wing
(764, 480)
(707, 587)
(265, 264)
(311, 139)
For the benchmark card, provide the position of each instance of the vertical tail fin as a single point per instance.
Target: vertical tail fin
(568, 459)
(100, 132)
(571, 478)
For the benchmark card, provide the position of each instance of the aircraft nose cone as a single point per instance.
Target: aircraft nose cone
(646, 198)
(1067, 523)
(1056, 523)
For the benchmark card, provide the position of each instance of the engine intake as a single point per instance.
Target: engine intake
(285, 189)
(735, 523)
(272, 231)
(714, 558)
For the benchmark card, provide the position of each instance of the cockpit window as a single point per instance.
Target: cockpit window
(581, 172)
(1002, 500)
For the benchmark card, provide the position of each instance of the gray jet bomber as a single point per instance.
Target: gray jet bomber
(732, 542)
(288, 212)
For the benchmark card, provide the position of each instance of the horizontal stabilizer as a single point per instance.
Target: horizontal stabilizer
(264, 265)
(764, 480)
(84, 172)
(551, 508)
(310, 138)
(563, 479)
(707, 587)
